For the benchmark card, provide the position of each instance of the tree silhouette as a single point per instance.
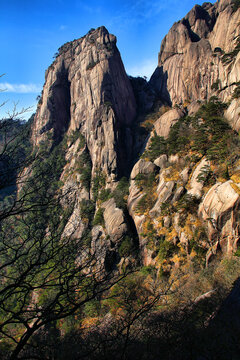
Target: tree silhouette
(44, 276)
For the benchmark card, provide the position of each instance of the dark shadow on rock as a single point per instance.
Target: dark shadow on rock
(59, 103)
(159, 83)
(222, 334)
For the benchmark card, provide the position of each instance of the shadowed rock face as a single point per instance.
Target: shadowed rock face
(58, 106)
(87, 90)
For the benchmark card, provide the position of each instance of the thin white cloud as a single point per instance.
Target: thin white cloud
(87, 8)
(63, 27)
(140, 11)
(146, 9)
(20, 88)
(146, 68)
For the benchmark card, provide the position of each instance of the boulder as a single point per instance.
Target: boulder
(143, 167)
(195, 185)
(163, 125)
(114, 220)
(219, 209)
(161, 161)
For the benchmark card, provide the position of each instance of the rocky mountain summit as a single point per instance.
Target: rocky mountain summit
(183, 197)
(87, 90)
(199, 56)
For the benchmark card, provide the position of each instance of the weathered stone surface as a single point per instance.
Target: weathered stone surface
(163, 125)
(114, 220)
(143, 167)
(173, 159)
(193, 107)
(75, 226)
(178, 193)
(99, 244)
(87, 90)
(167, 221)
(133, 199)
(219, 209)
(190, 66)
(195, 185)
(161, 161)
(184, 175)
(165, 191)
(232, 114)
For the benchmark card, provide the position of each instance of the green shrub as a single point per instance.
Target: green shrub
(73, 136)
(204, 174)
(237, 253)
(126, 247)
(236, 93)
(179, 136)
(92, 308)
(167, 208)
(82, 142)
(236, 5)
(145, 182)
(220, 150)
(105, 195)
(208, 133)
(229, 57)
(86, 176)
(99, 181)
(156, 148)
(121, 192)
(212, 108)
(86, 238)
(84, 167)
(87, 209)
(194, 244)
(166, 250)
(99, 219)
(148, 270)
(189, 203)
(145, 203)
(216, 85)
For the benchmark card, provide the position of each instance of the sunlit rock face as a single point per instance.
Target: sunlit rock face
(87, 90)
(194, 61)
(89, 100)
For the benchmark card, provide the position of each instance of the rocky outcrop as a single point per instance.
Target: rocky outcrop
(87, 90)
(114, 221)
(163, 125)
(196, 185)
(90, 102)
(142, 167)
(232, 114)
(219, 209)
(183, 209)
(197, 58)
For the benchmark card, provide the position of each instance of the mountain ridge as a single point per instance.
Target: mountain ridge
(87, 93)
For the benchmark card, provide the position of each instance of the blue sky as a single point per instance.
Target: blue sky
(31, 31)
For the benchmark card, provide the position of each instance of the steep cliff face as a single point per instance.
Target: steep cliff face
(191, 200)
(87, 90)
(88, 104)
(199, 56)
(183, 198)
